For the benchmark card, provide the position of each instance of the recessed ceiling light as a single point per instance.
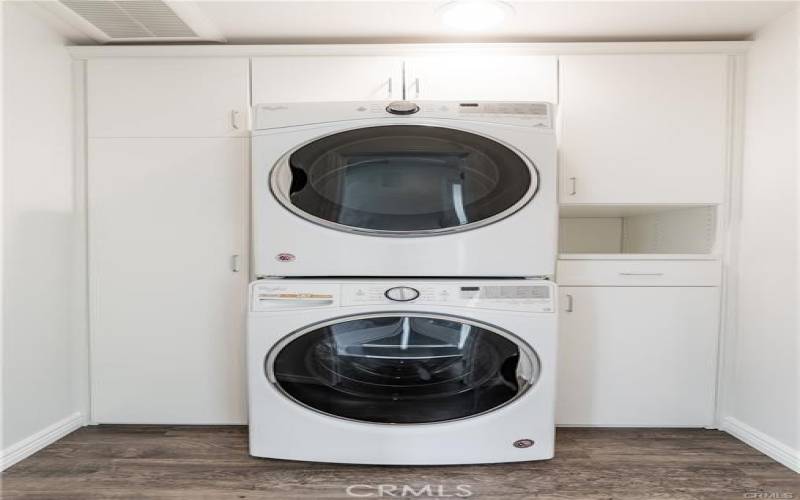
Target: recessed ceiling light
(474, 15)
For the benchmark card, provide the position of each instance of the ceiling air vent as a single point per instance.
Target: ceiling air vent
(140, 20)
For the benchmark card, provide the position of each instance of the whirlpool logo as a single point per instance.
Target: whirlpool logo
(407, 490)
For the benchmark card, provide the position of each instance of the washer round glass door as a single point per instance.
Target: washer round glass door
(404, 180)
(402, 368)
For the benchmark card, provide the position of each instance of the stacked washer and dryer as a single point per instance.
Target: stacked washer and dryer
(403, 311)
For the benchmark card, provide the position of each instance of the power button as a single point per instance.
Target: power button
(402, 293)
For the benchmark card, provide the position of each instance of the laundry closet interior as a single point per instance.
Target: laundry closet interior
(642, 210)
(507, 239)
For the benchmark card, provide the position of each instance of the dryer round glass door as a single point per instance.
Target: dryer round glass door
(402, 369)
(404, 180)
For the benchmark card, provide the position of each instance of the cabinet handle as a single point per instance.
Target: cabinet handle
(235, 119)
(570, 301)
(389, 88)
(573, 182)
(235, 263)
(416, 87)
(641, 274)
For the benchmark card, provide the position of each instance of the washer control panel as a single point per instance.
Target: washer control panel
(536, 297)
(511, 295)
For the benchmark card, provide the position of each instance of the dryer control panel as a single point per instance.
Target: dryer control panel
(537, 115)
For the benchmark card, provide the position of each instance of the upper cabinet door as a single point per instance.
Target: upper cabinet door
(168, 97)
(483, 78)
(643, 128)
(326, 78)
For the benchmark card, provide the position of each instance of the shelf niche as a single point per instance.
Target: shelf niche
(644, 230)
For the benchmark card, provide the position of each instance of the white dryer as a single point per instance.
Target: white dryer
(402, 371)
(404, 189)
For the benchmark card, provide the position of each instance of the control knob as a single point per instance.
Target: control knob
(402, 293)
(402, 108)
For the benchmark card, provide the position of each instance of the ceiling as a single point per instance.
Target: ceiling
(377, 21)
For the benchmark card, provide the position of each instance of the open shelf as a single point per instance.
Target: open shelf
(646, 232)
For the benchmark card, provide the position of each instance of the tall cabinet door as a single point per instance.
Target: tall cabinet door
(643, 129)
(326, 78)
(483, 78)
(168, 97)
(168, 279)
(637, 356)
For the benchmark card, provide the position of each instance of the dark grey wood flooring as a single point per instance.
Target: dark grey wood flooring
(114, 462)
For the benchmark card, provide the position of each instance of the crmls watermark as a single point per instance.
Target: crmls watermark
(768, 495)
(406, 490)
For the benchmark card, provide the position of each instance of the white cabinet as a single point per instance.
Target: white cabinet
(168, 97)
(326, 78)
(637, 355)
(645, 129)
(168, 249)
(436, 77)
(483, 78)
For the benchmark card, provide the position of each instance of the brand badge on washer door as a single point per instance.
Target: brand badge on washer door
(285, 257)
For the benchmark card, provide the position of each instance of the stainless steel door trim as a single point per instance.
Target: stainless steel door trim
(280, 179)
(533, 369)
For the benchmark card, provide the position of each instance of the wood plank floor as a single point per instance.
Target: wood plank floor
(171, 462)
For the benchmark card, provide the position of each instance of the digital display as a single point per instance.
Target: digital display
(515, 292)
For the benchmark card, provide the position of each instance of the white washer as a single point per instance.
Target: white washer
(442, 189)
(389, 371)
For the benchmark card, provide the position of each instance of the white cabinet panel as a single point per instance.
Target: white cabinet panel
(487, 78)
(166, 217)
(168, 97)
(643, 128)
(326, 78)
(637, 356)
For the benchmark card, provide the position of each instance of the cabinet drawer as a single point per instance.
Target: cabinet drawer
(638, 273)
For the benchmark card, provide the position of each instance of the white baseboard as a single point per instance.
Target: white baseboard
(765, 444)
(47, 436)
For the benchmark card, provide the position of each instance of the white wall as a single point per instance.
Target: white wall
(42, 374)
(761, 387)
